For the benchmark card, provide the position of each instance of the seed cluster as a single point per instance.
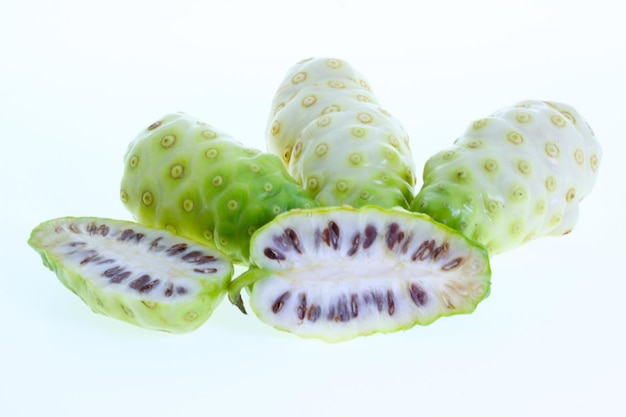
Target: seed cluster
(513, 176)
(345, 307)
(336, 140)
(116, 271)
(330, 237)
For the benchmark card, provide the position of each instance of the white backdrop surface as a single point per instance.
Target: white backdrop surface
(78, 81)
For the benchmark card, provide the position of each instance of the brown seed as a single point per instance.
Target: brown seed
(378, 298)
(76, 247)
(424, 251)
(90, 256)
(192, 257)
(392, 230)
(441, 251)
(149, 286)
(354, 306)
(176, 249)
(94, 229)
(119, 277)
(405, 246)
(342, 309)
(181, 290)
(95, 258)
(139, 282)
(125, 234)
(330, 235)
(76, 244)
(394, 235)
(452, 264)
(370, 236)
(205, 270)
(418, 295)
(129, 234)
(106, 261)
(293, 239)
(169, 290)
(314, 313)
(111, 272)
(155, 244)
(198, 258)
(326, 236)
(274, 254)
(331, 313)
(280, 302)
(205, 259)
(334, 234)
(356, 240)
(302, 307)
(391, 305)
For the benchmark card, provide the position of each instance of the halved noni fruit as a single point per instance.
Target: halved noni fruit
(144, 276)
(337, 273)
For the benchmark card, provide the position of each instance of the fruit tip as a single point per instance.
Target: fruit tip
(238, 302)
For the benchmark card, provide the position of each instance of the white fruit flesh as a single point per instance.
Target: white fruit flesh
(337, 273)
(144, 276)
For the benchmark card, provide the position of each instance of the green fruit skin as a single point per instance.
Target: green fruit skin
(205, 185)
(337, 141)
(514, 176)
(154, 315)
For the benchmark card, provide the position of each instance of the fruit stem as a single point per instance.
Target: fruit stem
(245, 280)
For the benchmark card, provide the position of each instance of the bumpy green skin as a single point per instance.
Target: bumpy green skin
(514, 176)
(80, 271)
(336, 140)
(186, 176)
(336, 273)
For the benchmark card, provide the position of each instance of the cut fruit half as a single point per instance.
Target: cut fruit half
(141, 275)
(337, 273)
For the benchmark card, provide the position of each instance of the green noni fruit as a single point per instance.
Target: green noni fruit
(186, 176)
(513, 176)
(141, 275)
(336, 140)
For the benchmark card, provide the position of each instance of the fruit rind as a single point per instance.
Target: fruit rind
(514, 176)
(80, 253)
(336, 140)
(205, 185)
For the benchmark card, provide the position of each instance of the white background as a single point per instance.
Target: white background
(78, 81)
